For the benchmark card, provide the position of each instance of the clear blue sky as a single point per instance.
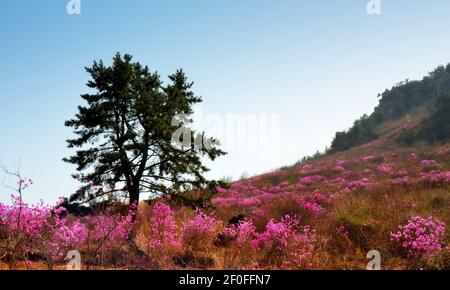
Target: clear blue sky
(318, 64)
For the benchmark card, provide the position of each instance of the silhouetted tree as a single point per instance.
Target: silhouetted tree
(124, 134)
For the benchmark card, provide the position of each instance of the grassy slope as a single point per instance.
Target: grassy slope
(368, 215)
(368, 210)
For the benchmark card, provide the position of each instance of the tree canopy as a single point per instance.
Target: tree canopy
(125, 141)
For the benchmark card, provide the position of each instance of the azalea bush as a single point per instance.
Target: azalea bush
(421, 236)
(47, 233)
(39, 229)
(286, 244)
(22, 226)
(108, 236)
(161, 238)
(199, 232)
(436, 178)
(241, 245)
(60, 238)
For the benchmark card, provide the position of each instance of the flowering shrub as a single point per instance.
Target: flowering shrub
(368, 158)
(413, 156)
(243, 245)
(161, 239)
(322, 198)
(338, 168)
(109, 230)
(276, 235)
(305, 168)
(309, 180)
(341, 162)
(310, 206)
(24, 220)
(385, 168)
(361, 184)
(38, 228)
(403, 181)
(443, 151)
(22, 227)
(248, 201)
(242, 233)
(199, 232)
(63, 238)
(429, 163)
(108, 235)
(338, 180)
(435, 177)
(286, 244)
(420, 236)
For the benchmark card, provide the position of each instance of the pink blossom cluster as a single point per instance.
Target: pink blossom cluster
(25, 183)
(368, 158)
(360, 184)
(309, 180)
(310, 206)
(24, 219)
(413, 156)
(40, 227)
(338, 180)
(305, 168)
(242, 234)
(341, 162)
(287, 244)
(237, 201)
(110, 230)
(200, 231)
(385, 168)
(402, 181)
(435, 177)
(162, 232)
(429, 163)
(322, 198)
(443, 151)
(277, 234)
(64, 238)
(420, 236)
(338, 168)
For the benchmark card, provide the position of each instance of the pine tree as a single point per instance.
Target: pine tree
(124, 135)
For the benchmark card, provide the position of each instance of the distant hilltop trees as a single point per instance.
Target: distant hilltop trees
(431, 93)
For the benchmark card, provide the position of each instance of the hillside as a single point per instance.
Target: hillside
(391, 169)
(384, 186)
(424, 103)
(354, 201)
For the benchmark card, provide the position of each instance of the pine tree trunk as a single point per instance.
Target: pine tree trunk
(134, 200)
(134, 197)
